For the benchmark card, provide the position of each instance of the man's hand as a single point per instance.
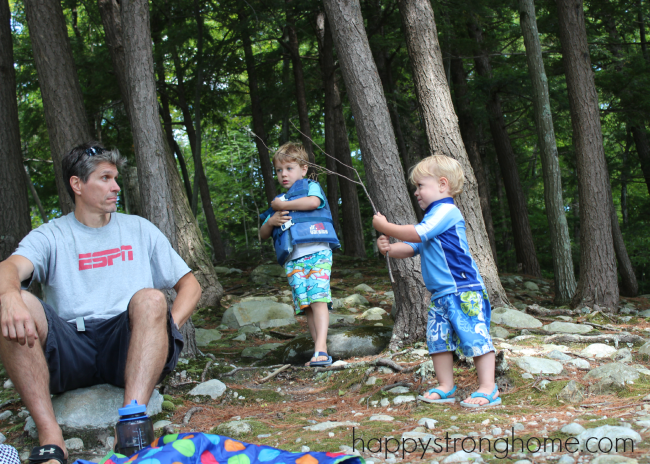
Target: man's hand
(16, 321)
(279, 218)
(276, 204)
(379, 222)
(383, 243)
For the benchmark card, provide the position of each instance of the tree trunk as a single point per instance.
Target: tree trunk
(629, 286)
(442, 130)
(381, 159)
(643, 150)
(162, 194)
(598, 281)
(298, 75)
(15, 220)
(565, 283)
(66, 120)
(523, 237)
(470, 140)
(35, 196)
(132, 191)
(258, 115)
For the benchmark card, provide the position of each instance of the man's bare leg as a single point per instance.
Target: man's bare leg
(148, 346)
(28, 371)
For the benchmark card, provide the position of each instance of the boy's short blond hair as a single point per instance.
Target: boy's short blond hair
(293, 153)
(440, 166)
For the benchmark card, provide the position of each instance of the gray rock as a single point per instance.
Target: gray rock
(580, 363)
(417, 436)
(598, 350)
(343, 343)
(539, 365)
(568, 328)
(5, 415)
(403, 399)
(496, 431)
(258, 352)
(518, 427)
(398, 390)
(526, 375)
(607, 386)
(617, 371)
(543, 384)
(240, 338)
(605, 459)
(247, 329)
(566, 459)
(645, 349)
(526, 461)
(213, 388)
(462, 456)
(254, 312)
(615, 434)
(342, 318)
(381, 417)
(645, 313)
(532, 286)
(428, 423)
(267, 274)
(572, 392)
(74, 444)
(234, 428)
(572, 429)
(373, 314)
(371, 380)
(355, 300)
(161, 423)
(384, 402)
(515, 319)
(2, 438)
(8, 384)
(93, 408)
(364, 288)
(500, 332)
(30, 428)
(624, 355)
(277, 323)
(330, 425)
(558, 356)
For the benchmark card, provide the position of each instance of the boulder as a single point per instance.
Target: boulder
(341, 319)
(598, 350)
(606, 459)
(499, 332)
(205, 336)
(254, 312)
(327, 425)
(343, 343)
(572, 429)
(645, 349)
(267, 274)
(645, 313)
(373, 314)
(624, 355)
(515, 319)
(580, 363)
(616, 435)
(572, 393)
(607, 386)
(619, 372)
(462, 456)
(258, 352)
(567, 328)
(213, 388)
(364, 288)
(403, 399)
(539, 365)
(277, 323)
(355, 300)
(381, 418)
(532, 286)
(558, 356)
(234, 428)
(259, 298)
(92, 408)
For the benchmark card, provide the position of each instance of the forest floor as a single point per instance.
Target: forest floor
(276, 412)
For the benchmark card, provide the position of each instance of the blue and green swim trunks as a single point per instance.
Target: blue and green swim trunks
(309, 278)
(460, 322)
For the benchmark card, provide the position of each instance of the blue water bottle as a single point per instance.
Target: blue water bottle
(134, 429)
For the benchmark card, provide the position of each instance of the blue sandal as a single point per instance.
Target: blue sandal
(444, 397)
(492, 401)
(327, 362)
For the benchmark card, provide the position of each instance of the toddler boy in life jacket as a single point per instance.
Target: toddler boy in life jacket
(303, 235)
(459, 314)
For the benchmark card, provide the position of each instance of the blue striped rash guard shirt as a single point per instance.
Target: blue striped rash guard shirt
(447, 265)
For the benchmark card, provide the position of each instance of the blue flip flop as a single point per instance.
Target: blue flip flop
(327, 362)
(444, 397)
(491, 400)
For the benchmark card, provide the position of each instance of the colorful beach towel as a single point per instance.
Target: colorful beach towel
(203, 448)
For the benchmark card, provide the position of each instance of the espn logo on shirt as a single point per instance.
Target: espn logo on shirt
(105, 258)
(318, 229)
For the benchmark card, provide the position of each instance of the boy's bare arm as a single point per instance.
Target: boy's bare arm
(278, 218)
(396, 250)
(405, 233)
(301, 204)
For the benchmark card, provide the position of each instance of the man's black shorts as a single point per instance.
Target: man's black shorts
(97, 355)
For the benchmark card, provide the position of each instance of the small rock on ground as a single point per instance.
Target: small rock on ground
(462, 456)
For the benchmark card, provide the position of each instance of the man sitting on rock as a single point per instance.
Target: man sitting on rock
(105, 320)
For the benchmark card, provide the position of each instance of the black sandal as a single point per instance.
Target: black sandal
(46, 453)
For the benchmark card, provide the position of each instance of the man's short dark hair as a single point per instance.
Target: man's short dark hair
(84, 159)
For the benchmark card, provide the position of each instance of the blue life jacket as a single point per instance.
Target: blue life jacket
(304, 226)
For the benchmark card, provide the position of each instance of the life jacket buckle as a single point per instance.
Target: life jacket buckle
(286, 225)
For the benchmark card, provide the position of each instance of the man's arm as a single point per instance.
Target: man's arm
(188, 295)
(16, 321)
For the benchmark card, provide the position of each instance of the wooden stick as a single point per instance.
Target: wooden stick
(274, 373)
(205, 370)
(190, 413)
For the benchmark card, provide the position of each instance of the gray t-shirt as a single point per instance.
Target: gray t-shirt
(93, 272)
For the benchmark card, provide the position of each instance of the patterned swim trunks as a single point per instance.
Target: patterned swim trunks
(460, 322)
(309, 278)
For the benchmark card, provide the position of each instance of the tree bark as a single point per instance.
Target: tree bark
(598, 281)
(643, 150)
(35, 196)
(441, 125)
(470, 140)
(15, 220)
(299, 77)
(65, 117)
(258, 115)
(162, 194)
(564, 280)
(523, 237)
(132, 191)
(629, 286)
(384, 173)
